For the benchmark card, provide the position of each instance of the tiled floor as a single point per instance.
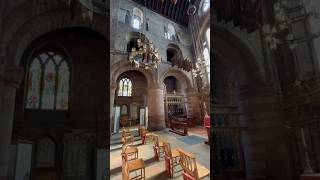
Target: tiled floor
(156, 169)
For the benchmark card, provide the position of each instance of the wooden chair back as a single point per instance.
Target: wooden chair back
(125, 153)
(125, 168)
(167, 149)
(125, 132)
(155, 139)
(188, 163)
(128, 140)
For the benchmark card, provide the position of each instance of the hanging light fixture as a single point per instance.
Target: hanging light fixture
(200, 65)
(145, 55)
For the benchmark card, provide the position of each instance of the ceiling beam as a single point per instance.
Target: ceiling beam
(169, 9)
(174, 9)
(154, 5)
(176, 13)
(163, 4)
(181, 12)
(180, 2)
(158, 5)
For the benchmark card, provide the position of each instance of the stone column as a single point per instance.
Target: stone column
(113, 87)
(194, 105)
(9, 81)
(264, 142)
(156, 116)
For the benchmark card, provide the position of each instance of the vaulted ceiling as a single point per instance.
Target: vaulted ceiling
(176, 13)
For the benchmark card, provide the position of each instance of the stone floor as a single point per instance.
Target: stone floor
(156, 169)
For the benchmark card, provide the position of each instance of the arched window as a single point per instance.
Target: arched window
(48, 82)
(205, 5)
(171, 53)
(206, 56)
(132, 44)
(125, 87)
(137, 18)
(170, 32)
(208, 36)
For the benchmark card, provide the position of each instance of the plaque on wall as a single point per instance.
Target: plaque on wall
(77, 157)
(45, 153)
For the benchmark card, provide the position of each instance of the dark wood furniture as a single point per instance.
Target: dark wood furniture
(179, 127)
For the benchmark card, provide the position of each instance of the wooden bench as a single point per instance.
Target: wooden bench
(179, 127)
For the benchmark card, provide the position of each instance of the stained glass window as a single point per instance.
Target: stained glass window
(48, 82)
(63, 86)
(205, 5)
(170, 32)
(125, 87)
(33, 83)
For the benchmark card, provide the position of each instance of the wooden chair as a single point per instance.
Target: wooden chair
(171, 157)
(132, 166)
(125, 132)
(130, 151)
(126, 137)
(157, 146)
(144, 134)
(191, 167)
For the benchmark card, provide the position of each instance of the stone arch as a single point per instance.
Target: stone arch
(132, 37)
(123, 66)
(132, 34)
(183, 79)
(175, 50)
(26, 26)
(242, 61)
(255, 99)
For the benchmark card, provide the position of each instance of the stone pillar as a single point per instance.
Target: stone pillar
(9, 81)
(113, 87)
(156, 116)
(264, 142)
(194, 105)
